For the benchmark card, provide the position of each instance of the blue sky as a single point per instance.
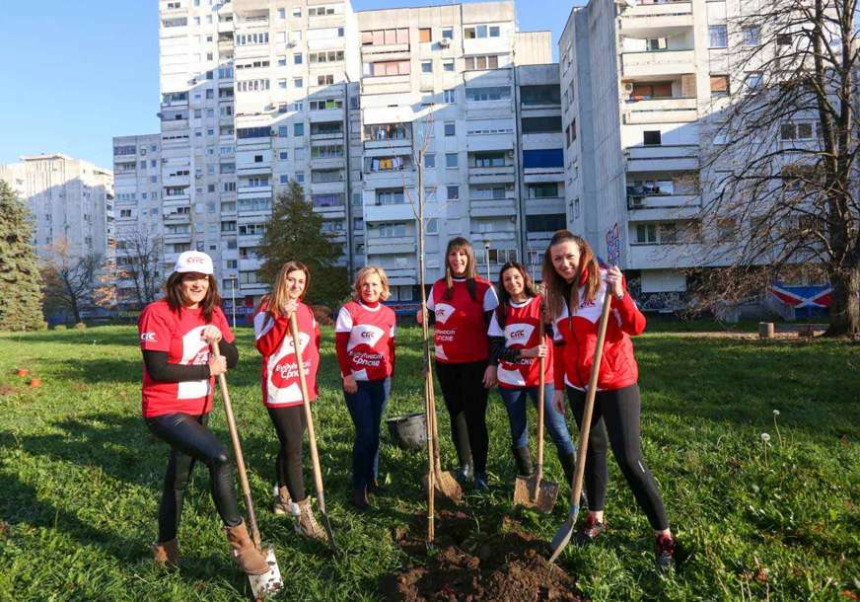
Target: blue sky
(76, 78)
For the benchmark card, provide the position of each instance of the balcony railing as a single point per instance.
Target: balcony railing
(658, 62)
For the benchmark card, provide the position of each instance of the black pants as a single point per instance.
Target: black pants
(190, 440)
(290, 426)
(616, 418)
(466, 400)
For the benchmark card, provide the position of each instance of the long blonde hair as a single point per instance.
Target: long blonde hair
(279, 295)
(558, 291)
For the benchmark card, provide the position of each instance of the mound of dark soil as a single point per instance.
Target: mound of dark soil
(465, 565)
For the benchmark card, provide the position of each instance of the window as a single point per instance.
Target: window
(656, 44)
(719, 85)
(540, 95)
(430, 161)
(751, 35)
(646, 234)
(298, 82)
(325, 80)
(388, 131)
(783, 39)
(228, 226)
(546, 223)
(486, 193)
(387, 68)
(298, 129)
(382, 37)
(282, 13)
(451, 160)
(447, 33)
(482, 31)
(545, 158)
(480, 63)
(425, 35)
(488, 159)
(449, 96)
(719, 36)
(488, 94)
(393, 196)
(426, 66)
(453, 193)
(297, 58)
(652, 138)
(797, 131)
(531, 125)
(543, 191)
(450, 129)
(297, 12)
(753, 81)
(448, 65)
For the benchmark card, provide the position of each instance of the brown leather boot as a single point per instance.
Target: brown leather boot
(245, 553)
(307, 524)
(166, 553)
(282, 502)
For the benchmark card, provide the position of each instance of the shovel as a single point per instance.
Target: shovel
(268, 583)
(309, 418)
(562, 536)
(443, 482)
(534, 491)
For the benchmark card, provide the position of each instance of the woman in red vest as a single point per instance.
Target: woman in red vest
(364, 341)
(282, 393)
(178, 386)
(461, 305)
(576, 288)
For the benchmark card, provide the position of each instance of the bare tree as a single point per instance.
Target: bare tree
(70, 281)
(140, 250)
(784, 153)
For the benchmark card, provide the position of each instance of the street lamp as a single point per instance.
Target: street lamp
(487, 256)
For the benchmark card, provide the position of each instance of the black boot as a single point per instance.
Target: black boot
(568, 463)
(460, 435)
(524, 461)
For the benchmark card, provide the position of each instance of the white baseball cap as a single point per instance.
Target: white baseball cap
(194, 261)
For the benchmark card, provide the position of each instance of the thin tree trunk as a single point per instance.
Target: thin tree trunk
(845, 304)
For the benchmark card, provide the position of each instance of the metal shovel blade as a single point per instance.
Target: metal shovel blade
(446, 487)
(269, 583)
(534, 493)
(562, 536)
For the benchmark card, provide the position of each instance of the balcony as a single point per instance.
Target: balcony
(661, 110)
(249, 264)
(386, 84)
(492, 208)
(680, 157)
(658, 62)
(399, 212)
(390, 245)
(674, 256)
(491, 175)
(644, 19)
(664, 207)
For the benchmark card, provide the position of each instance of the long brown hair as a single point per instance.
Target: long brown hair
(276, 299)
(504, 296)
(173, 293)
(558, 291)
(461, 244)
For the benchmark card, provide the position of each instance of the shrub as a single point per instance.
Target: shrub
(80, 326)
(60, 327)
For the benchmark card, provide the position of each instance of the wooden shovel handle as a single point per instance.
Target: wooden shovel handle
(585, 429)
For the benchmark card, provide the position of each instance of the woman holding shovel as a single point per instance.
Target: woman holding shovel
(178, 385)
(576, 288)
(282, 394)
(461, 305)
(364, 341)
(515, 351)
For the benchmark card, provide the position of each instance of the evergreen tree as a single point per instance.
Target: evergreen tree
(20, 291)
(295, 233)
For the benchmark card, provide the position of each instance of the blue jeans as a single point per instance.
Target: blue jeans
(366, 406)
(515, 404)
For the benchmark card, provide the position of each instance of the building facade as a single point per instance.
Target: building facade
(640, 82)
(257, 93)
(71, 204)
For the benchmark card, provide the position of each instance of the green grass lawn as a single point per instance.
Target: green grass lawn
(80, 477)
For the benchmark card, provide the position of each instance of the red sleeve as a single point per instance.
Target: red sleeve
(632, 320)
(558, 367)
(269, 332)
(154, 329)
(341, 341)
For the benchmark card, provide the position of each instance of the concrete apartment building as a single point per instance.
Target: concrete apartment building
(639, 81)
(256, 93)
(71, 202)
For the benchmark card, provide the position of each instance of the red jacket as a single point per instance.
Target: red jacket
(575, 340)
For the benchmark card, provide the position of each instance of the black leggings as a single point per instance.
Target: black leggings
(290, 426)
(616, 417)
(466, 400)
(189, 441)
